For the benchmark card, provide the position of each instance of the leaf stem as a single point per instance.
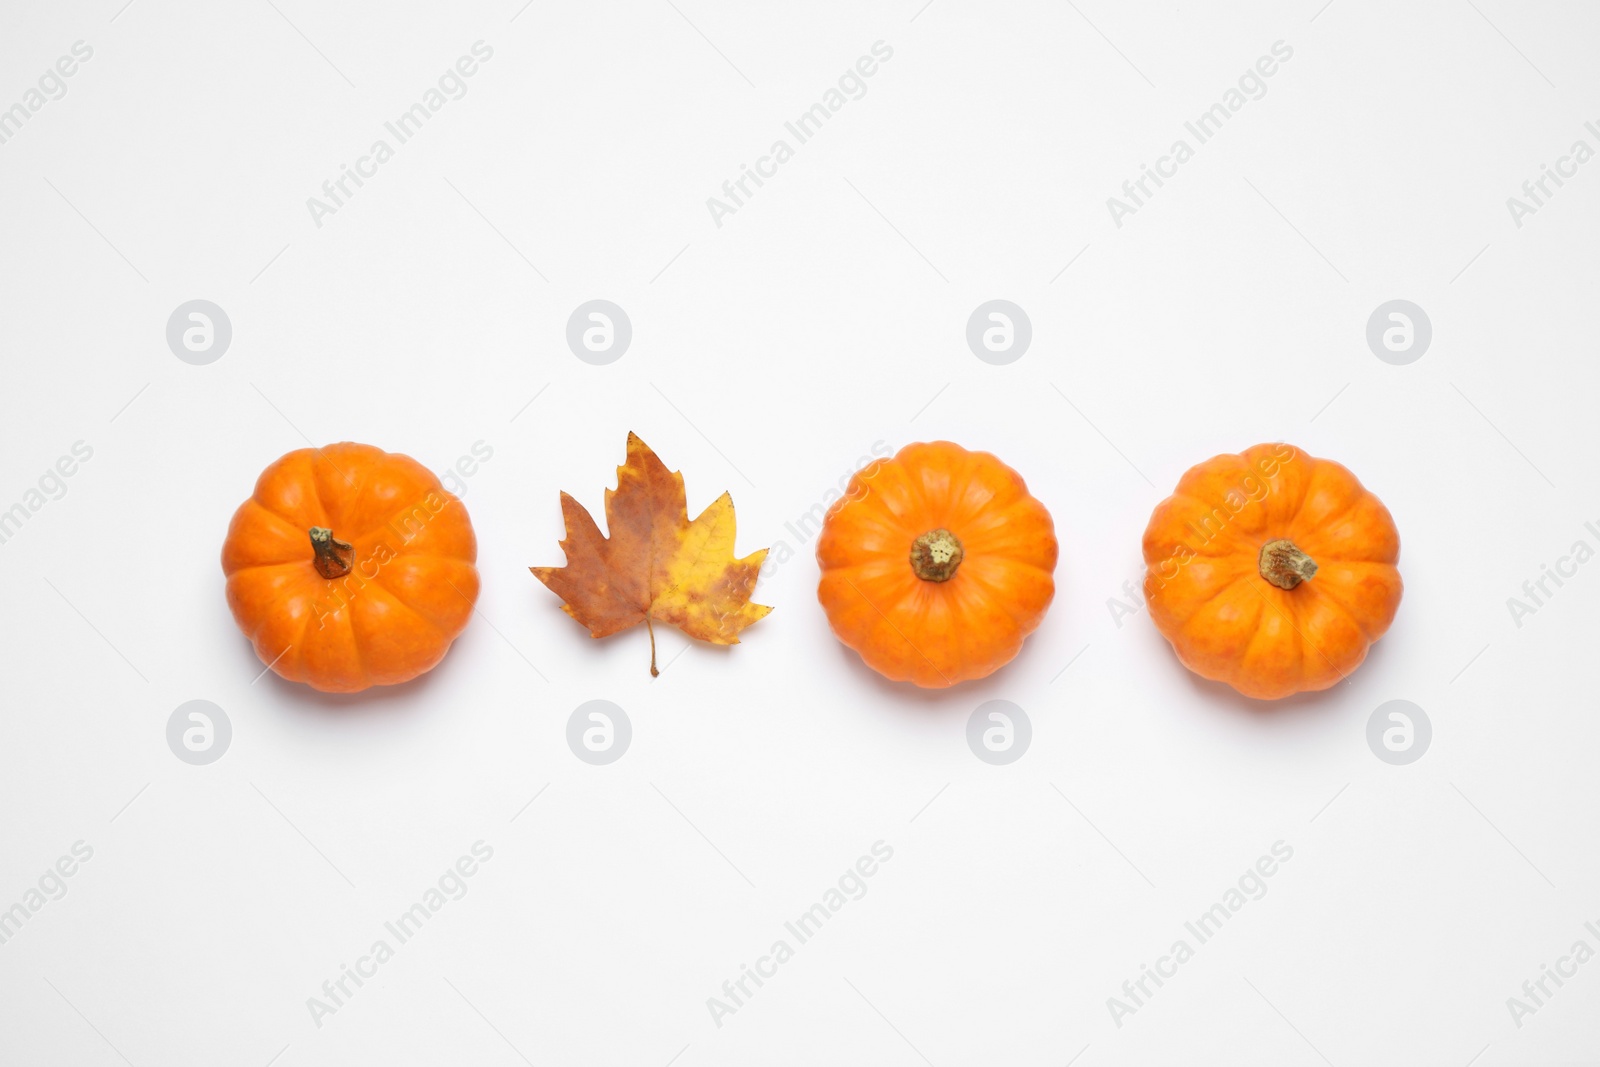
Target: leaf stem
(647, 625)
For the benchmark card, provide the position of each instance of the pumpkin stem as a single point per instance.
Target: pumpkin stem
(334, 557)
(936, 555)
(1284, 565)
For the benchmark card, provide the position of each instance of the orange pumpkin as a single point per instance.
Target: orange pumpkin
(350, 567)
(936, 564)
(1272, 571)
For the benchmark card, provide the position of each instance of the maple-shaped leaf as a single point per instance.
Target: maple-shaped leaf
(656, 565)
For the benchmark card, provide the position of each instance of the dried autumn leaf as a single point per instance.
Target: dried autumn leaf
(656, 565)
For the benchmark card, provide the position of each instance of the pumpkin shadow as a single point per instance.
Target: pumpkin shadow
(1225, 698)
(1220, 695)
(390, 701)
(905, 697)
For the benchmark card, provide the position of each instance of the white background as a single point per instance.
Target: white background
(769, 354)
